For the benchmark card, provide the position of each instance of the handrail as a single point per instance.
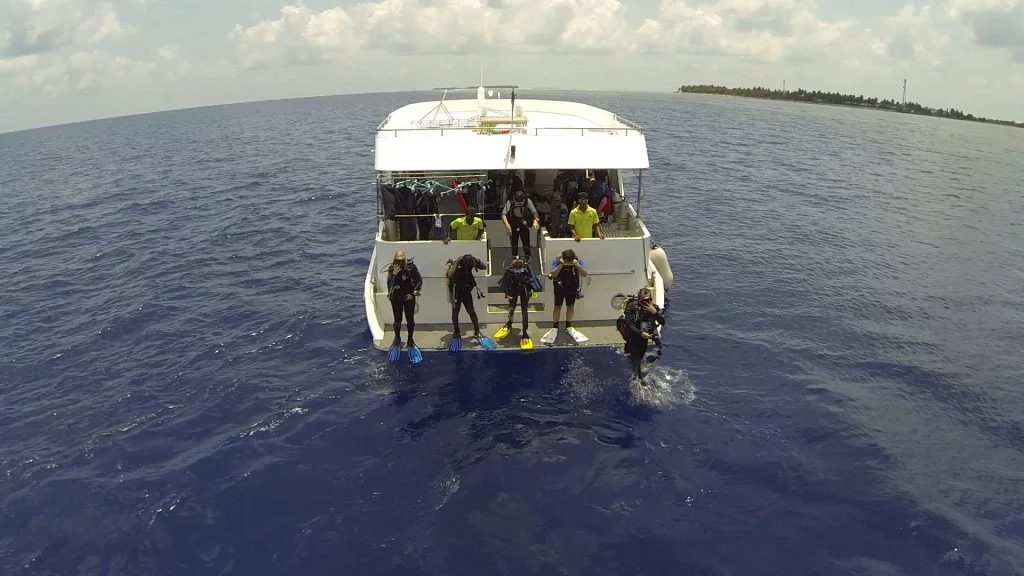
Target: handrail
(583, 131)
(629, 273)
(536, 131)
(431, 215)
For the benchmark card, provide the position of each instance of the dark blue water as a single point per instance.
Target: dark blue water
(187, 384)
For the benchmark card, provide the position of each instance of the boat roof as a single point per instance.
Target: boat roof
(487, 134)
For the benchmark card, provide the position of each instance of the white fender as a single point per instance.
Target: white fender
(660, 260)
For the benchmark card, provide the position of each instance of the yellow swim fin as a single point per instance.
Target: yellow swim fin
(502, 332)
(526, 343)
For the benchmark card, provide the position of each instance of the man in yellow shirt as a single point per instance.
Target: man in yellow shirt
(468, 227)
(583, 220)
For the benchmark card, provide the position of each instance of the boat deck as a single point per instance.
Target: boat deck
(436, 336)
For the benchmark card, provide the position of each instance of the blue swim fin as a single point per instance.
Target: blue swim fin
(395, 352)
(486, 342)
(415, 355)
(455, 344)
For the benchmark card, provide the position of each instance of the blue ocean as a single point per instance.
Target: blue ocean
(188, 386)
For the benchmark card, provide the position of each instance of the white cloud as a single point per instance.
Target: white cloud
(79, 71)
(18, 64)
(102, 25)
(915, 33)
(302, 35)
(764, 30)
(960, 8)
(298, 36)
(52, 45)
(170, 58)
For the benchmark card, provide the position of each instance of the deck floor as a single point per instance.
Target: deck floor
(436, 336)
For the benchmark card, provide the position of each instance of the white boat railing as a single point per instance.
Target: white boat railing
(504, 131)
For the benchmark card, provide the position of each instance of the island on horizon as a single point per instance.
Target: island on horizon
(837, 99)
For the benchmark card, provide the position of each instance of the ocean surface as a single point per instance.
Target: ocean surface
(187, 384)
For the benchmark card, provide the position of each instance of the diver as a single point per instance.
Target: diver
(519, 283)
(639, 326)
(404, 285)
(565, 273)
(461, 284)
(519, 216)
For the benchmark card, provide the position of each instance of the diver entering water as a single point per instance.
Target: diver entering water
(639, 326)
(519, 283)
(404, 285)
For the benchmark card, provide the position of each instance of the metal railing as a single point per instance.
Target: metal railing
(499, 131)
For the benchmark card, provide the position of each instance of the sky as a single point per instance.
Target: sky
(70, 60)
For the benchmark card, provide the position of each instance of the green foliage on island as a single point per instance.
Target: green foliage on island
(838, 99)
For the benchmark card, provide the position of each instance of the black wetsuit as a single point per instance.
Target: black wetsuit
(639, 320)
(461, 286)
(520, 219)
(517, 285)
(402, 288)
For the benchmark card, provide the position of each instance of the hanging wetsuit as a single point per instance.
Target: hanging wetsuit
(404, 284)
(461, 284)
(405, 209)
(519, 215)
(426, 203)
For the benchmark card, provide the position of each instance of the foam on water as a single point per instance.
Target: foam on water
(663, 387)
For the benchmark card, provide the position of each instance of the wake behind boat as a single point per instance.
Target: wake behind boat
(437, 160)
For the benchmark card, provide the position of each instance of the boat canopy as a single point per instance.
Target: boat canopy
(490, 135)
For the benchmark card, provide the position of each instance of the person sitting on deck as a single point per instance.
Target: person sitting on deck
(584, 221)
(468, 227)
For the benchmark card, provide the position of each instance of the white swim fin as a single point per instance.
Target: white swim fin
(578, 336)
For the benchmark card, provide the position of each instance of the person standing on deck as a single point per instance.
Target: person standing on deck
(518, 284)
(461, 284)
(584, 220)
(519, 216)
(404, 285)
(467, 227)
(566, 273)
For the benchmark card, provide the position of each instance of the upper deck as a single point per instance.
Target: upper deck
(487, 134)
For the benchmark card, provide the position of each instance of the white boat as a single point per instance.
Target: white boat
(475, 149)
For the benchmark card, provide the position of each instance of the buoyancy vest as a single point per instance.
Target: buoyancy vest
(519, 214)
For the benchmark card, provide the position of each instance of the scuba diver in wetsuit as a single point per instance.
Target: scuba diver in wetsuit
(640, 322)
(461, 284)
(404, 285)
(518, 283)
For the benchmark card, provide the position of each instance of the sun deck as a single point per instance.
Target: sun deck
(487, 135)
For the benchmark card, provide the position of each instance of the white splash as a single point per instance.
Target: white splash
(664, 387)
